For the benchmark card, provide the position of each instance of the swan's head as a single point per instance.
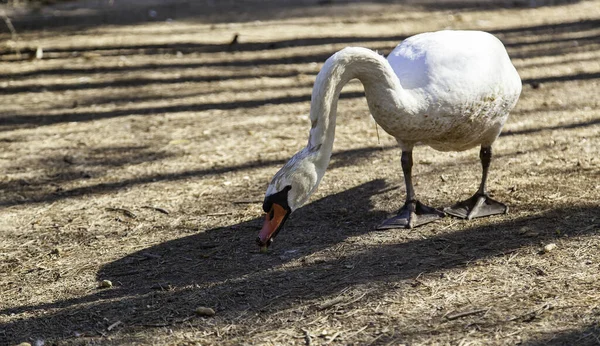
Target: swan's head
(289, 189)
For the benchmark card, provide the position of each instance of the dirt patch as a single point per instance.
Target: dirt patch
(138, 150)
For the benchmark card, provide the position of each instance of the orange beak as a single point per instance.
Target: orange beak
(274, 220)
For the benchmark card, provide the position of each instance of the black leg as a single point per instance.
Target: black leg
(413, 213)
(407, 163)
(480, 204)
(485, 156)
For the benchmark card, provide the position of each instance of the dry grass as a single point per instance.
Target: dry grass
(138, 150)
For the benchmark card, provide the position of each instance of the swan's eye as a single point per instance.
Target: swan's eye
(267, 206)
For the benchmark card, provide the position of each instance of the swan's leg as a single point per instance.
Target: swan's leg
(413, 213)
(480, 204)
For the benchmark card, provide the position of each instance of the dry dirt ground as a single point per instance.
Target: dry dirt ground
(138, 150)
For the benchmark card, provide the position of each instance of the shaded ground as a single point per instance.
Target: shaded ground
(139, 148)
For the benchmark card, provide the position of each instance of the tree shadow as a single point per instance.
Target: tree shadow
(80, 17)
(135, 82)
(12, 122)
(512, 37)
(17, 121)
(491, 5)
(65, 168)
(563, 78)
(509, 35)
(53, 171)
(576, 125)
(221, 267)
(196, 48)
(32, 191)
(149, 97)
(582, 337)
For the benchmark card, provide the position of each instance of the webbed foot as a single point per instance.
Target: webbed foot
(411, 215)
(477, 206)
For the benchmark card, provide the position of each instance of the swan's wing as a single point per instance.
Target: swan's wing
(464, 64)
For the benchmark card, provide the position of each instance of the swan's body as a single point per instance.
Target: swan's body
(463, 84)
(451, 90)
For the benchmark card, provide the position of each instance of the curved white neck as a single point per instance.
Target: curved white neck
(382, 89)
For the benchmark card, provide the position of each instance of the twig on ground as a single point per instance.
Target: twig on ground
(375, 339)
(218, 214)
(156, 325)
(356, 332)
(160, 210)
(114, 325)
(393, 342)
(531, 315)
(462, 314)
(167, 324)
(355, 300)
(11, 27)
(124, 211)
(340, 299)
(150, 255)
(333, 337)
(332, 302)
(307, 337)
(318, 320)
(273, 300)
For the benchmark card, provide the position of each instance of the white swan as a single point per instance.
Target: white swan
(451, 90)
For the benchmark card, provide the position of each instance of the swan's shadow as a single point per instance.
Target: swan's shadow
(226, 253)
(314, 259)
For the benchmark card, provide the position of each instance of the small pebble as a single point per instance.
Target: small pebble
(106, 284)
(549, 247)
(204, 311)
(39, 53)
(24, 344)
(536, 85)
